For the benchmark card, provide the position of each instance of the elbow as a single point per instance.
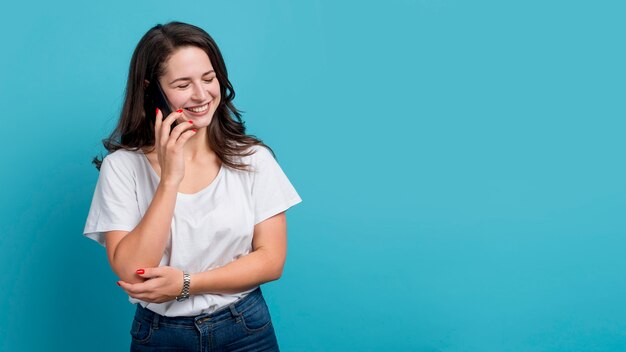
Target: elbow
(271, 268)
(276, 270)
(116, 266)
(126, 274)
(119, 258)
(129, 276)
(270, 265)
(125, 271)
(276, 275)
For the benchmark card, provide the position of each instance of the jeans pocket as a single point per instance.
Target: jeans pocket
(257, 317)
(140, 331)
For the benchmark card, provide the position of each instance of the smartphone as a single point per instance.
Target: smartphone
(159, 99)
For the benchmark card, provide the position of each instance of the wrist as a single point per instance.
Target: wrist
(168, 185)
(193, 285)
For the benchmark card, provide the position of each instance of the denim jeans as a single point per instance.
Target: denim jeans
(244, 325)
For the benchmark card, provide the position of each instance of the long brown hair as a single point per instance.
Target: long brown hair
(135, 129)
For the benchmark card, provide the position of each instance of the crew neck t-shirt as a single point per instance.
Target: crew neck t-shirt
(210, 228)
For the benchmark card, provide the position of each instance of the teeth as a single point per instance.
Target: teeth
(199, 109)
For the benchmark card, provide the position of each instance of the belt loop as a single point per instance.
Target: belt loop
(233, 310)
(155, 321)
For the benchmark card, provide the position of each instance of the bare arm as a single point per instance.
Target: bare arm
(265, 263)
(144, 245)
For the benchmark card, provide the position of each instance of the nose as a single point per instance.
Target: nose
(199, 92)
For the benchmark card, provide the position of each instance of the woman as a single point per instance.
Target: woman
(191, 210)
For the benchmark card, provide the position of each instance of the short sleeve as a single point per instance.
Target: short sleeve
(272, 193)
(114, 205)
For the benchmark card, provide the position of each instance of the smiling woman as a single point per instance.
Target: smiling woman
(189, 83)
(191, 210)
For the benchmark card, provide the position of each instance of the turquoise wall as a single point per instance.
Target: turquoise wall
(461, 165)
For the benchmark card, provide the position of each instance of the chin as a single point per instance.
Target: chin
(202, 122)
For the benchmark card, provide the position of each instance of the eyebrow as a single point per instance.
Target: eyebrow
(188, 78)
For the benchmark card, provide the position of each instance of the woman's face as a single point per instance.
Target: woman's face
(190, 83)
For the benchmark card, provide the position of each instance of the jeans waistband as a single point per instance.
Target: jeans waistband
(232, 310)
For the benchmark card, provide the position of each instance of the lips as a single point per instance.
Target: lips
(198, 109)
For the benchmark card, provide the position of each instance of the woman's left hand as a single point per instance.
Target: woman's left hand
(162, 284)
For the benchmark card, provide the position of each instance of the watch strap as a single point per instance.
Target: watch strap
(184, 294)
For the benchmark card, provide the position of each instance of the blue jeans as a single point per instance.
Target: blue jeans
(244, 325)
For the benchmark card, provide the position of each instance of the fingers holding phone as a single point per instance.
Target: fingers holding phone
(169, 143)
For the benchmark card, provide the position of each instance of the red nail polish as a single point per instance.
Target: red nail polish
(157, 111)
(191, 122)
(195, 130)
(140, 271)
(179, 110)
(118, 284)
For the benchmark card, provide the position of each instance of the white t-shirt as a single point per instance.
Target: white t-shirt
(210, 228)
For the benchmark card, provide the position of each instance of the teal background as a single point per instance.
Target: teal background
(461, 165)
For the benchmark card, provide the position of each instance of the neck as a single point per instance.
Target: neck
(197, 148)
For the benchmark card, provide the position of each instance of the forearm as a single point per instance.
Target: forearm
(144, 245)
(243, 274)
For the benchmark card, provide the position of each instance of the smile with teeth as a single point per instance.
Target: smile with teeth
(202, 108)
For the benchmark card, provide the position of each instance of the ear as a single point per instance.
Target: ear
(145, 83)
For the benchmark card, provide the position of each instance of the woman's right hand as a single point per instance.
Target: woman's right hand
(169, 146)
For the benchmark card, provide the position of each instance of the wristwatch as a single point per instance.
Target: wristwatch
(185, 292)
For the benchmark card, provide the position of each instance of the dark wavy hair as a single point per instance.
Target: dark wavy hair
(135, 129)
